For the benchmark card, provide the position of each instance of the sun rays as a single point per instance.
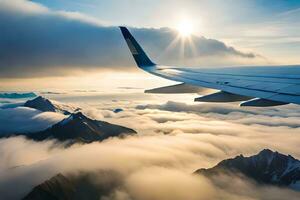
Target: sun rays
(184, 40)
(185, 28)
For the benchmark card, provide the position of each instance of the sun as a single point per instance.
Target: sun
(185, 28)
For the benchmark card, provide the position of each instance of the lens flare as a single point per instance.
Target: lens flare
(185, 28)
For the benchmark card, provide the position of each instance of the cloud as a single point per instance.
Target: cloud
(22, 7)
(24, 120)
(174, 140)
(43, 42)
(164, 185)
(242, 188)
(284, 116)
(145, 167)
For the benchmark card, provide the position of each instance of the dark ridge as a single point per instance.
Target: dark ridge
(81, 186)
(79, 128)
(266, 167)
(45, 105)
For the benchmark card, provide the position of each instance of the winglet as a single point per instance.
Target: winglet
(140, 57)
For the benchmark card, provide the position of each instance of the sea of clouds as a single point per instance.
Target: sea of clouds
(174, 139)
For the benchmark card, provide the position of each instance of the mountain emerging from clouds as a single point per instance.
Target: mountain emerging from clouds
(79, 128)
(267, 167)
(58, 187)
(71, 187)
(46, 105)
(75, 128)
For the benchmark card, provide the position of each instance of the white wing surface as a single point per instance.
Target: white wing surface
(255, 86)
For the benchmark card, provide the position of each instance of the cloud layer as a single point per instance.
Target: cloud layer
(37, 41)
(25, 120)
(174, 140)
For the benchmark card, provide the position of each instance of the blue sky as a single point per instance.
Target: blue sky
(269, 27)
(69, 36)
(136, 11)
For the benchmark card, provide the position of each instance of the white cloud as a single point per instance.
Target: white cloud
(174, 140)
(22, 7)
(51, 43)
(147, 167)
(25, 120)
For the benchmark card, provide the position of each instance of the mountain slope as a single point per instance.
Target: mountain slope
(58, 187)
(79, 128)
(45, 105)
(266, 167)
(80, 186)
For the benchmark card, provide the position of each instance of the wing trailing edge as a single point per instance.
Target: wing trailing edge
(181, 88)
(257, 102)
(222, 96)
(261, 86)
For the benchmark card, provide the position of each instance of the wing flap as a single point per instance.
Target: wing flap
(276, 91)
(261, 103)
(222, 96)
(176, 89)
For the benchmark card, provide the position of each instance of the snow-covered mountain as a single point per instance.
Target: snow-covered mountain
(266, 167)
(79, 128)
(46, 105)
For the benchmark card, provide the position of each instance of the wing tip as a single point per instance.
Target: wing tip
(141, 58)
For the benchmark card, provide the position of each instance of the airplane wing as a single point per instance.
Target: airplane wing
(258, 86)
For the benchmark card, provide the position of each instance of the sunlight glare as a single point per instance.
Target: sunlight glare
(185, 28)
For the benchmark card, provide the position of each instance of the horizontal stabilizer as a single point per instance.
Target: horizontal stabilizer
(257, 102)
(176, 89)
(222, 97)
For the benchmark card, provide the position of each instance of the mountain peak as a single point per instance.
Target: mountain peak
(57, 187)
(40, 103)
(266, 167)
(266, 152)
(40, 98)
(72, 186)
(45, 105)
(78, 115)
(78, 127)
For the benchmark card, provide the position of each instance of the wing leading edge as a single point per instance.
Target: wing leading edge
(259, 86)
